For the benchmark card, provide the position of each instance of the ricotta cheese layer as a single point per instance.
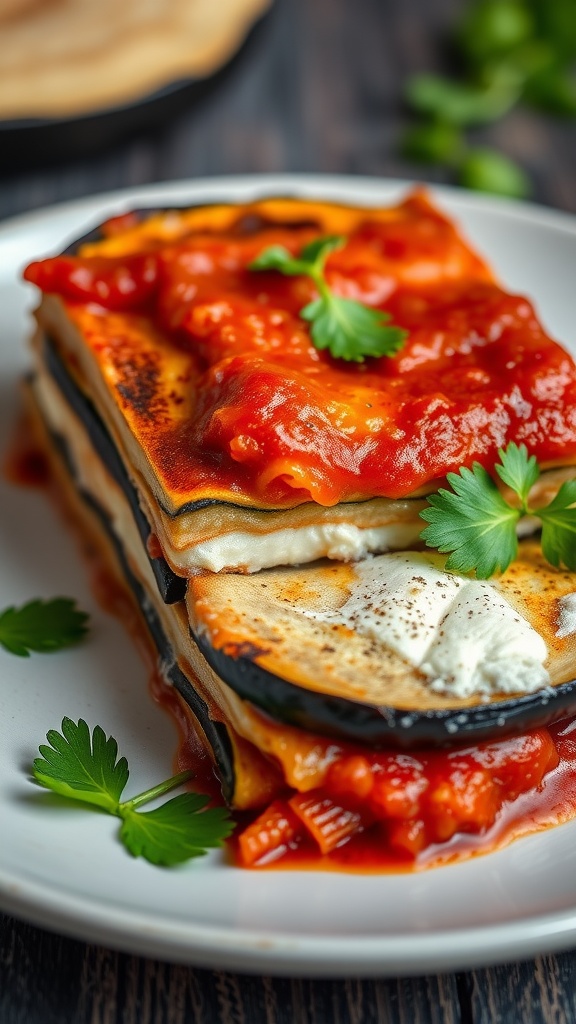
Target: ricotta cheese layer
(251, 552)
(462, 634)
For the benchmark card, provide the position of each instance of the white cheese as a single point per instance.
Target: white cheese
(462, 634)
(566, 616)
(252, 552)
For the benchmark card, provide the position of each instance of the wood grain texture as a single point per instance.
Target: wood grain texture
(319, 90)
(47, 979)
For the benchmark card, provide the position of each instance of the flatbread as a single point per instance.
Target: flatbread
(67, 57)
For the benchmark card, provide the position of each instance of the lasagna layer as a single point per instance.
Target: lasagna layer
(310, 646)
(247, 447)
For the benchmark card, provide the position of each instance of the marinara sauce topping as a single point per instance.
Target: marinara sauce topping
(277, 421)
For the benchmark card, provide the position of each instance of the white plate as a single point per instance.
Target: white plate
(62, 867)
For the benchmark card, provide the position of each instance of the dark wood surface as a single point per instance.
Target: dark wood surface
(317, 89)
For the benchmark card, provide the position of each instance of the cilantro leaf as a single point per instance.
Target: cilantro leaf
(347, 328)
(559, 527)
(176, 831)
(42, 626)
(82, 768)
(85, 768)
(517, 469)
(473, 522)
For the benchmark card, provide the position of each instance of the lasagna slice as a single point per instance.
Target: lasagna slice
(194, 428)
(247, 446)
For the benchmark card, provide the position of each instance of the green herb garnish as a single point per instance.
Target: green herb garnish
(511, 51)
(348, 329)
(42, 626)
(82, 767)
(477, 525)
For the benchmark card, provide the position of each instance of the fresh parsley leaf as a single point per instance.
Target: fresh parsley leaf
(317, 251)
(511, 51)
(42, 626)
(176, 831)
(348, 329)
(434, 142)
(473, 522)
(487, 170)
(494, 27)
(518, 469)
(311, 259)
(553, 89)
(477, 525)
(82, 767)
(460, 103)
(86, 768)
(559, 527)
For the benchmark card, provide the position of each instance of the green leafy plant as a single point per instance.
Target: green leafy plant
(348, 329)
(476, 524)
(42, 626)
(85, 767)
(510, 51)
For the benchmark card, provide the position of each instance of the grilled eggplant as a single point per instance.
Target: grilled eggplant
(313, 651)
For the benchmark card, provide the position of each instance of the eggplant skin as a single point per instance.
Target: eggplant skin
(215, 732)
(172, 587)
(378, 726)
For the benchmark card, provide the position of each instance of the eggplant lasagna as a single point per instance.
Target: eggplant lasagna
(261, 500)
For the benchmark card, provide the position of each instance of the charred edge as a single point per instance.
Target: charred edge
(246, 650)
(172, 587)
(245, 225)
(139, 389)
(215, 732)
(377, 726)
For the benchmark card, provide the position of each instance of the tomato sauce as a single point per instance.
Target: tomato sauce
(276, 421)
(402, 812)
(371, 811)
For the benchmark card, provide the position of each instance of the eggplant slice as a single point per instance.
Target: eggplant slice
(293, 670)
(171, 587)
(256, 644)
(262, 637)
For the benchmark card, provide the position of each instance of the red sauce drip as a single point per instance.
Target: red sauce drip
(25, 464)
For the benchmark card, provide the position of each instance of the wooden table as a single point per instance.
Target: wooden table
(318, 89)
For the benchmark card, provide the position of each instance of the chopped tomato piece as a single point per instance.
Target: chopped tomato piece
(522, 766)
(408, 837)
(327, 822)
(399, 783)
(351, 777)
(270, 834)
(466, 801)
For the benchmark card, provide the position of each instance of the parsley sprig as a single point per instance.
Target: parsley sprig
(348, 329)
(477, 525)
(510, 52)
(42, 626)
(86, 767)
